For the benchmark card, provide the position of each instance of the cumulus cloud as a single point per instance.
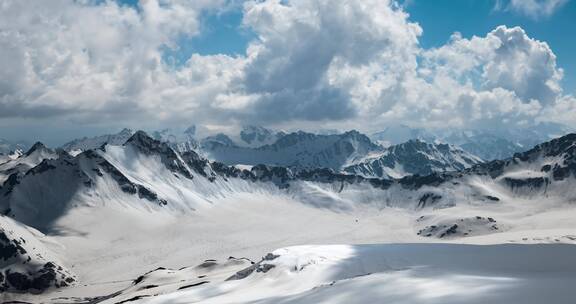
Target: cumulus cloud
(505, 58)
(311, 56)
(66, 56)
(532, 8)
(504, 76)
(352, 62)
(563, 111)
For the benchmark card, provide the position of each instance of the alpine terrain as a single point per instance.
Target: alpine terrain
(179, 227)
(287, 152)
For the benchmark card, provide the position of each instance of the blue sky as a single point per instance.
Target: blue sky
(222, 33)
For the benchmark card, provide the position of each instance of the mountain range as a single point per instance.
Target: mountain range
(11, 149)
(350, 151)
(486, 143)
(122, 220)
(413, 157)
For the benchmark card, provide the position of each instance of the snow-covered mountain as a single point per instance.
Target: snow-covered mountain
(257, 136)
(20, 164)
(107, 210)
(250, 137)
(144, 169)
(181, 141)
(397, 134)
(212, 142)
(90, 143)
(297, 150)
(150, 170)
(256, 145)
(185, 140)
(546, 172)
(414, 157)
(26, 263)
(488, 144)
(142, 173)
(8, 147)
(4, 158)
(141, 169)
(351, 152)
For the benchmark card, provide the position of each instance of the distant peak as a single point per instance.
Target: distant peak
(36, 147)
(358, 137)
(353, 132)
(126, 131)
(148, 145)
(191, 130)
(257, 134)
(416, 141)
(140, 137)
(252, 127)
(219, 138)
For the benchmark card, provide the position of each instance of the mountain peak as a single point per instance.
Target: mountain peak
(258, 135)
(38, 146)
(143, 141)
(148, 145)
(357, 135)
(191, 130)
(414, 157)
(353, 132)
(219, 139)
(561, 145)
(126, 131)
(85, 143)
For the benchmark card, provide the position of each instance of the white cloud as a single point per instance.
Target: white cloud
(532, 8)
(312, 57)
(506, 58)
(505, 79)
(563, 111)
(66, 56)
(356, 63)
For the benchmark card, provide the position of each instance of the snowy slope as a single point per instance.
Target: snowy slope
(109, 257)
(8, 147)
(143, 173)
(4, 158)
(79, 145)
(123, 211)
(411, 273)
(26, 263)
(414, 157)
(151, 171)
(179, 140)
(20, 163)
